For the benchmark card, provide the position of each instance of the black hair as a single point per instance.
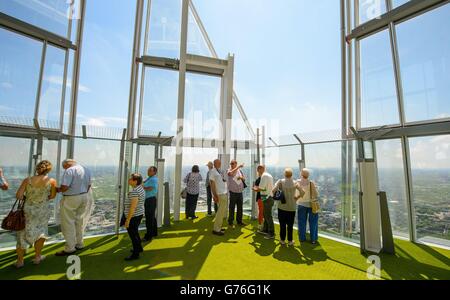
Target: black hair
(195, 169)
(137, 177)
(154, 169)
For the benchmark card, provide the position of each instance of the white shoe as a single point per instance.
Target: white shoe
(38, 261)
(283, 243)
(291, 243)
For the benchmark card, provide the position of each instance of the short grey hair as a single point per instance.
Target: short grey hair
(306, 172)
(68, 161)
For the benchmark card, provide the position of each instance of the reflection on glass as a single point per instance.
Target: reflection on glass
(239, 130)
(14, 157)
(397, 3)
(371, 9)
(146, 159)
(424, 50)
(324, 161)
(51, 90)
(391, 178)
(368, 150)
(245, 157)
(202, 106)
(430, 167)
(378, 92)
(160, 102)
(280, 158)
(196, 44)
(51, 15)
(20, 60)
(104, 89)
(165, 28)
(104, 169)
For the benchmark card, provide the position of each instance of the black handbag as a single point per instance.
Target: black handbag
(123, 220)
(279, 196)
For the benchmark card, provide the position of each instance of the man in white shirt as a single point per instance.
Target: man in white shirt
(75, 186)
(265, 188)
(219, 192)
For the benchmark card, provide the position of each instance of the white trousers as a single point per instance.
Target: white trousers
(221, 212)
(73, 211)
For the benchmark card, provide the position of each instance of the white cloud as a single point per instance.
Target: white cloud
(59, 80)
(4, 108)
(7, 85)
(101, 121)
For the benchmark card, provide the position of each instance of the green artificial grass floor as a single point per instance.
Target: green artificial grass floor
(188, 250)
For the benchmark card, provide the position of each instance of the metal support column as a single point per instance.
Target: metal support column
(76, 81)
(180, 113)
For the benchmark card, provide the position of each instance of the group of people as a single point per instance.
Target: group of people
(224, 191)
(37, 191)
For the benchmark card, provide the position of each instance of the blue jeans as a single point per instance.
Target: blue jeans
(303, 214)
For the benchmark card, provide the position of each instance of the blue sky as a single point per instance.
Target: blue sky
(287, 64)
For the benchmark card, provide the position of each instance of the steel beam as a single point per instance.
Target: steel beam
(401, 13)
(29, 30)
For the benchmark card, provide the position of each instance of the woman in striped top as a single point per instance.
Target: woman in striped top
(134, 211)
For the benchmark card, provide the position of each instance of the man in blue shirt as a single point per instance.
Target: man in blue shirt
(151, 193)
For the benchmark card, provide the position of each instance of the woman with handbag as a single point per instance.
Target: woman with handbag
(36, 191)
(307, 208)
(287, 208)
(192, 181)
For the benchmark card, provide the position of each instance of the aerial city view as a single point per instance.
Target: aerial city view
(432, 195)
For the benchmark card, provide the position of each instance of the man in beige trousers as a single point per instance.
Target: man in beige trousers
(220, 195)
(75, 186)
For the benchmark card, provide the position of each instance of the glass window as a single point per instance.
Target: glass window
(239, 130)
(51, 90)
(430, 167)
(104, 166)
(280, 158)
(196, 43)
(391, 178)
(397, 3)
(165, 28)
(51, 15)
(371, 9)
(424, 50)
(324, 161)
(244, 156)
(20, 61)
(146, 159)
(160, 102)
(104, 89)
(202, 106)
(378, 91)
(200, 157)
(14, 158)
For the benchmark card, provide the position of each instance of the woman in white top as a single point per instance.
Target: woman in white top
(304, 211)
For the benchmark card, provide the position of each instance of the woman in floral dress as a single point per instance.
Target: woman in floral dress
(36, 191)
